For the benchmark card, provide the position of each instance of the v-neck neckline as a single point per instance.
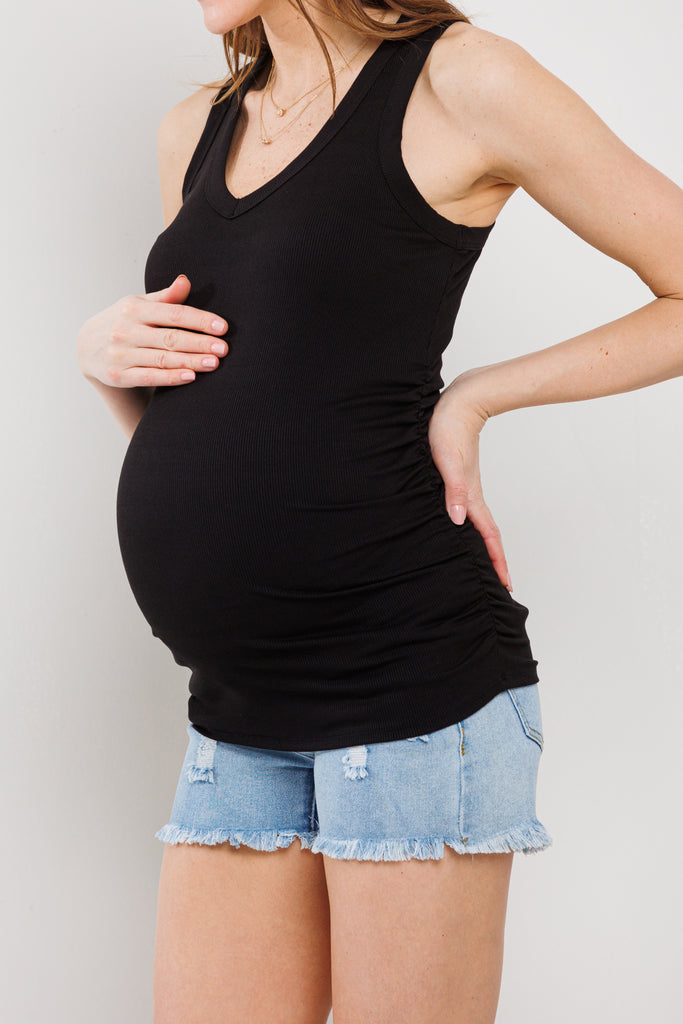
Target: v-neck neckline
(216, 189)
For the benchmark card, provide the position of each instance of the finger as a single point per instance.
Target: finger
(130, 340)
(176, 291)
(172, 339)
(148, 377)
(175, 340)
(482, 519)
(168, 359)
(179, 316)
(456, 494)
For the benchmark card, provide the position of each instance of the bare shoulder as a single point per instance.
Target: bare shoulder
(179, 132)
(448, 146)
(482, 80)
(462, 41)
(496, 93)
(529, 128)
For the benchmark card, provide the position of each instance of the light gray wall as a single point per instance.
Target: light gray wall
(587, 495)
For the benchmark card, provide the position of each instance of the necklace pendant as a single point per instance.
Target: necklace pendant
(280, 112)
(265, 141)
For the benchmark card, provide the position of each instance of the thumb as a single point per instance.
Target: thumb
(177, 291)
(456, 500)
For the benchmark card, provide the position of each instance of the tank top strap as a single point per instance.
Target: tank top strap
(404, 70)
(217, 114)
(409, 60)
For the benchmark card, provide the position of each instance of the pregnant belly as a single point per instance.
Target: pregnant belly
(222, 509)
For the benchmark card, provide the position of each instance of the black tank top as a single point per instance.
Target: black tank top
(281, 521)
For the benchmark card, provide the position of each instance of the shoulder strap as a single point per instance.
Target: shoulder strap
(217, 116)
(217, 113)
(406, 66)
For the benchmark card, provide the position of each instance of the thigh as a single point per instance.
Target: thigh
(418, 941)
(418, 837)
(241, 935)
(243, 916)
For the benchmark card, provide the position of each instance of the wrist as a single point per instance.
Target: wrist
(466, 394)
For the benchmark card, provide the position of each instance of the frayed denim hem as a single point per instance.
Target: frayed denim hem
(257, 839)
(530, 837)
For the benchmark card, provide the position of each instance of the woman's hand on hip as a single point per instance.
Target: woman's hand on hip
(151, 340)
(454, 427)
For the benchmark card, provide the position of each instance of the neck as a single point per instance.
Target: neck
(297, 56)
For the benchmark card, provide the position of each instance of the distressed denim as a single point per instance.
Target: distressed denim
(470, 786)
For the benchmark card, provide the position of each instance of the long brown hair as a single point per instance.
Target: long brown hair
(250, 40)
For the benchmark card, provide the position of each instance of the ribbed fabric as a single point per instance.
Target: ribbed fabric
(281, 521)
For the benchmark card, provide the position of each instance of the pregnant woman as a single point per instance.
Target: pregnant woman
(300, 511)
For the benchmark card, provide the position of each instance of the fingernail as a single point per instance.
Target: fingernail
(457, 514)
(218, 325)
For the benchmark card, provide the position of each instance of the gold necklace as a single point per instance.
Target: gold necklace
(281, 111)
(266, 140)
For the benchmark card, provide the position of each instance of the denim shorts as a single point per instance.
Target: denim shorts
(470, 786)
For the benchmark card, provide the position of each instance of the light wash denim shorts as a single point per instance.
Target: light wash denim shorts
(470, 786)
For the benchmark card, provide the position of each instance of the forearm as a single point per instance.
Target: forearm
(126, 404)
(639, 349)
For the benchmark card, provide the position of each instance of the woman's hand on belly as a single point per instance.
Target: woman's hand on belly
(151, 340)
(454, 428)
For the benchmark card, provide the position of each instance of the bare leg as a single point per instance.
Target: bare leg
(242, 935)
(418, 941)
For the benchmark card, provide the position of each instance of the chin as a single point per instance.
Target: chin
(220, 16)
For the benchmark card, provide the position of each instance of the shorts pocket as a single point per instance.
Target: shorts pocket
(527, 702)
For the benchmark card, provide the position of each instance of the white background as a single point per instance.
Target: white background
(588, 497)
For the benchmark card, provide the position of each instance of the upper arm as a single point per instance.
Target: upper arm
(533, 130)
(179, 132)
